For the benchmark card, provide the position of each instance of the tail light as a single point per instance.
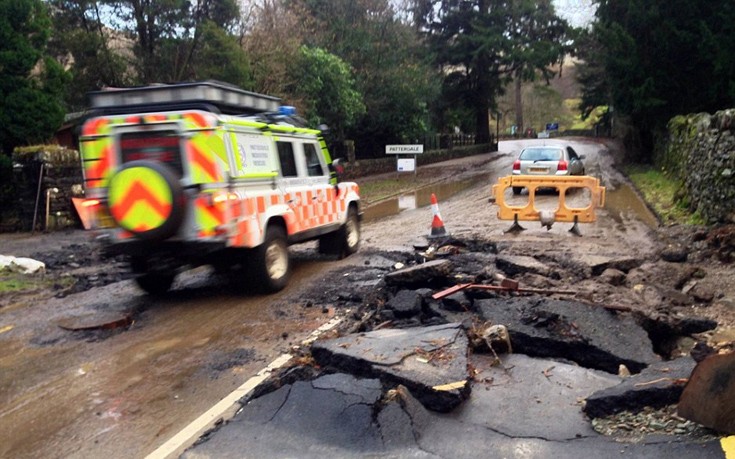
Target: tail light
(517, 165)
(562, 166)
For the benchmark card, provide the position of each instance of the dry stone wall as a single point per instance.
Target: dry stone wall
(701, 152)
(60, 174)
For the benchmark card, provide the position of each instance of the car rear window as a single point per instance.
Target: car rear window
(161, 146)
(540, 154)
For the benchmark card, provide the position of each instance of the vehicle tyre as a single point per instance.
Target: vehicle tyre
(146, 199)
(155, 283)
(270, 264)
(346, 240)
(517, 189)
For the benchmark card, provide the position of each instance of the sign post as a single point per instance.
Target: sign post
(405, 155)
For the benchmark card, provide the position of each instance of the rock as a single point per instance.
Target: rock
(21, 265)
(458, 302)
(675, 253)
(613, 276)
(420, 275)
(513, 265)
(406, 303)
(430, 361)
(656, 386)
(589, 335)
(594, 265)
(709, 396)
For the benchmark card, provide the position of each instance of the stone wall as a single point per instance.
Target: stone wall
(58, 169)
(700, 152)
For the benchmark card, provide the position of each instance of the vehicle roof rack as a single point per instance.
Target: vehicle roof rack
(214, 96)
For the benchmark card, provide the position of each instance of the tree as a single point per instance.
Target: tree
(32, 84)
(137, 42)
(324, 82)
(664, 57)
(481, 44)
(539, 39)
(391, 67)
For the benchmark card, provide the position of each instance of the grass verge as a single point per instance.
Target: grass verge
(661, 192)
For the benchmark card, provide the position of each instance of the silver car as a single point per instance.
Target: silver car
(547, 160)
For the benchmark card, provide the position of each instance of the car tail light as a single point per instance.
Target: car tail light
(517, 165)
(562, 166)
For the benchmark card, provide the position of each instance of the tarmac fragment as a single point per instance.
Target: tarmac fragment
(406, 303)
(419, 358)
(422, 275)
(657, 386)
(517, 264)
(589, 335)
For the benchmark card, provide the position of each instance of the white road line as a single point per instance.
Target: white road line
(226, 408)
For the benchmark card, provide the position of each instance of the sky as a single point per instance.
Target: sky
(579, 13)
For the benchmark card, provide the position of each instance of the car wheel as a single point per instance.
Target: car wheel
(345, 241)
(155, 283)
(517, 189)
(270, 264)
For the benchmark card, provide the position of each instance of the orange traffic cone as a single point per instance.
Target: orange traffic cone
(437, 225)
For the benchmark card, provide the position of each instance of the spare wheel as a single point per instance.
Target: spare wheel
(145, 198)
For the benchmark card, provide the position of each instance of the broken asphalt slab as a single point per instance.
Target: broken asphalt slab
(656, 386)
(588, 335)
(430, 361)
(341, 416)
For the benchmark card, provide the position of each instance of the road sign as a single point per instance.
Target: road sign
(406, 164)
(552, 126)
(404, 149)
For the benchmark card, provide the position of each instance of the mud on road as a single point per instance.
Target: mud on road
(665, 273)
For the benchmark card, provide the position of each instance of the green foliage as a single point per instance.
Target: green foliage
(123, 43)
(31, 83)
(481, 44)
(220, 57)
(662, 192)
(328, 90)
(392, 68)
(660, 58)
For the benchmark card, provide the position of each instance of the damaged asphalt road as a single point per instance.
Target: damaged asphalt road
(496, 373)
(476, 373)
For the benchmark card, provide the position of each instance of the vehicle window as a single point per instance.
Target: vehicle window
(313, 165)
(540, 154)
(572, 154)
(287, 159)
(161, 146)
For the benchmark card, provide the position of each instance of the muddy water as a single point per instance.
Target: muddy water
(624, 203)
(421, 197)
(621, 203)
(124, 395)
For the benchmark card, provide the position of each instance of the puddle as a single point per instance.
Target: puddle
(623, 203)
(421, 197)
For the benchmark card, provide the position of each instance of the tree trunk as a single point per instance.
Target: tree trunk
(519, 102)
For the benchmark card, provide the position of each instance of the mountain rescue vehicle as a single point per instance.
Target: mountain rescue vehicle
(182, 175)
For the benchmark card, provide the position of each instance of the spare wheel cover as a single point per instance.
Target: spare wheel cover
(145, 198)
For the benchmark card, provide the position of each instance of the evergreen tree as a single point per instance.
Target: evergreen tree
(662, 58)
(481, 44)
(32, 84)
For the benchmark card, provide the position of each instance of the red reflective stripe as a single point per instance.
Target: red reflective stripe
(196, 118)
(94, 126)
(201, 160)
(150, 142)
